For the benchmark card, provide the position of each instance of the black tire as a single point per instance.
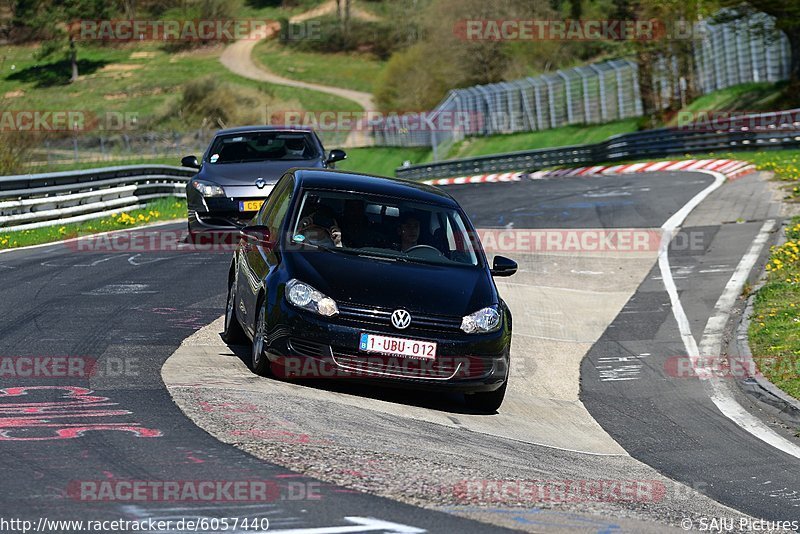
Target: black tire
(259, 363)
(233, 334)
(488, 401)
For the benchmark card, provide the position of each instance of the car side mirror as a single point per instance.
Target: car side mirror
(336, 155)
(190, 161)
(257, 234)
(502, 266)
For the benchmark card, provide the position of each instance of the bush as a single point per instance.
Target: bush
(200, 10)
(210, 101)
(16, 151)
(414, 80)
(377, 37)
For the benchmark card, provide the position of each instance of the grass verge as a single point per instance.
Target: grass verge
(745, 97)
(164, 209)
(350, 71)
(140, 78)
(774, 332)
(555, 137)
(382, 160)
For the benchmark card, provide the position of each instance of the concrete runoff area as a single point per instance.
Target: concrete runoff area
(413, 446)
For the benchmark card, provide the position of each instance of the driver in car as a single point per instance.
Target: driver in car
(408, 232)
(320, 227)
(295, 148)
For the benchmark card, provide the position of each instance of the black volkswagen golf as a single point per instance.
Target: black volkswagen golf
(343, 275)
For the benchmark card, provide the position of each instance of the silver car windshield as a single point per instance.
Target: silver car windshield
(383, 226)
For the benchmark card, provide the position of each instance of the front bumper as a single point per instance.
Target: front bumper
(219, 213)
(205, 221)
(304, 345)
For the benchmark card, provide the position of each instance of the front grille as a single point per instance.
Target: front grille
(381, 365)
(354, 313)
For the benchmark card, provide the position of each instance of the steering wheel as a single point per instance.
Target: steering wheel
(423, 247)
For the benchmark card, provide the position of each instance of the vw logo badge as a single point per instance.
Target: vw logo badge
(260, 183)
(401, 319)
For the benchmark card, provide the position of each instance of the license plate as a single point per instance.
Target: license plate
(398, 346)
(250, 205)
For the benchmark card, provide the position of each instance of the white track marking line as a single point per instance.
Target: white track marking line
(718, 392)
(359, 524)
(711, 345)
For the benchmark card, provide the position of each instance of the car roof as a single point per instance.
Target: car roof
(370, 184)
(264, 128)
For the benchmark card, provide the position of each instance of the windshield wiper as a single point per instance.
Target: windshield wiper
(353, 252)
(312, 245)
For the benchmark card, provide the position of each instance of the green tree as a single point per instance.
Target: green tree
(669, 41)
(51, 22)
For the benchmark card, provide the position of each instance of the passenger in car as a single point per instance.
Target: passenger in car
(320, 227)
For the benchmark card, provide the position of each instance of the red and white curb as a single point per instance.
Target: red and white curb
(479, 179)
(731, 168)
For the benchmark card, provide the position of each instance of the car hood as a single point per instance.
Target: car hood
(234, 174)
(423, 288)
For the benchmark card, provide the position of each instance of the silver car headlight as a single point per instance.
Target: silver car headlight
(482, 321)
(208, 189)
(304, 296)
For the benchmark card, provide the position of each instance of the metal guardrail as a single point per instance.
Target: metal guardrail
(31, 201)
(646, 144)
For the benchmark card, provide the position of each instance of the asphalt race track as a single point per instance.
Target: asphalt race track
(595, 399)
(131, 311)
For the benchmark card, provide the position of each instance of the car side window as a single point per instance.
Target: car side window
(283, 198)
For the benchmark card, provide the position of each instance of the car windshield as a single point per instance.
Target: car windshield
(263, 146)
(381, 226)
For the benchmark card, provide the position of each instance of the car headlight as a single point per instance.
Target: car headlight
(306, 297)
(482, 321)
(208, 189)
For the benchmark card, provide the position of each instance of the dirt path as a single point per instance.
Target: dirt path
(238, 58)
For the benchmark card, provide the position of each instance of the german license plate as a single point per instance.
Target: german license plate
(398, 346)
(250, 205)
